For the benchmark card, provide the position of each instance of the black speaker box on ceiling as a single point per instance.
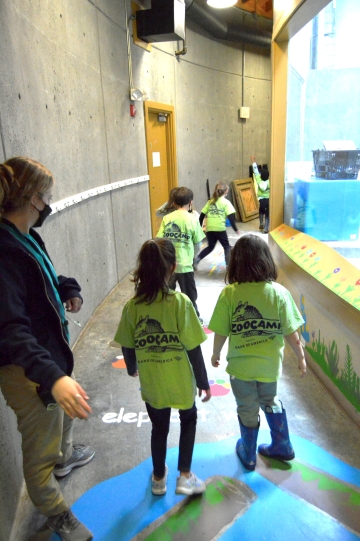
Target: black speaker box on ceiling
(165, 21)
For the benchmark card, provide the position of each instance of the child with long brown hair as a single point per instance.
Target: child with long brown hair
(160, 335)
(256, 313)
(216, 210)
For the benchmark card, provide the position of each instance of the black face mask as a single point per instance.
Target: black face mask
(43, 214)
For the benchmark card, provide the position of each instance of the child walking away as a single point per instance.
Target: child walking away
(217, 210)
(256, 314)
(263, 193)
(184, 231)
(160, 336)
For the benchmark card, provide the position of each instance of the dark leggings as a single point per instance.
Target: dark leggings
(212, 238)
(186, 281)
(264, 206)
(160, 419)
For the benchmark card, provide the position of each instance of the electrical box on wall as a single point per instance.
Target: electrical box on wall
(244, 112)
(165, 21)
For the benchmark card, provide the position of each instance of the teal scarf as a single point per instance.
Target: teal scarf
(47, 267)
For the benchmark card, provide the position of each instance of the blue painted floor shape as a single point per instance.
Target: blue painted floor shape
(119, 508)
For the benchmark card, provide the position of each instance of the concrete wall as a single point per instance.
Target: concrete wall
(64, 101)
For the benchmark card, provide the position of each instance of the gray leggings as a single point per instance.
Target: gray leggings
(252, 395)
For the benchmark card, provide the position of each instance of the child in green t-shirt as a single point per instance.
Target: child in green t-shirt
(263, 194)
(217, 209)
(185, 232)
(160, 335)
(256, 314)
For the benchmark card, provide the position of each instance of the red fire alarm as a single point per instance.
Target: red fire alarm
(132, 109)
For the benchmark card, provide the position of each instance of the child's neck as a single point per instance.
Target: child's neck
(185, 208)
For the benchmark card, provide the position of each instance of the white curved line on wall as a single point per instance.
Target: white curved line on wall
(78, 198)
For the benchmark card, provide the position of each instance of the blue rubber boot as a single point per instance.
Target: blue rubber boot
(246, 446)
(280, 447)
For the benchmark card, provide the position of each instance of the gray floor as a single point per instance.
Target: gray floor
(120, 446)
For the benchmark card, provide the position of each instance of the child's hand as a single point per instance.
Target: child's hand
(135, 375)
(215, 360)
(207, 395)
(302, 366)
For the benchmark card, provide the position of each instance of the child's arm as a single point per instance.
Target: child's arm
(231, 218)
(295, 344)
(197, 362)
(254, 166)
(219, 341)
(130, 361)
(201, 218)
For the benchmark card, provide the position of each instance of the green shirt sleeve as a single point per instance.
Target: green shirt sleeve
(220, 321)
(290, 317)
(125, 332)
(190, 330)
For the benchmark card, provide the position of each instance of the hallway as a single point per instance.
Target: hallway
(316, 496)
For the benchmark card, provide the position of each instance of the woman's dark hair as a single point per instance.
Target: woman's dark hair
(183, 196)
(251, 261)
(156, 259)
(220, 189)
(170, 205)
(20, 179)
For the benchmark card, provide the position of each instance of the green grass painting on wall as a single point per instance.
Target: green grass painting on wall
(327, 357)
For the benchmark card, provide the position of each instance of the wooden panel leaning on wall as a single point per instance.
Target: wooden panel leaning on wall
(246, 203)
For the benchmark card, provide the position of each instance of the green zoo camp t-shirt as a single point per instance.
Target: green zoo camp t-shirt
(160, 333)
(216, 214)
(184, 230)
(255, 316)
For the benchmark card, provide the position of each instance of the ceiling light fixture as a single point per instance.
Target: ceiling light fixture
(221, 4)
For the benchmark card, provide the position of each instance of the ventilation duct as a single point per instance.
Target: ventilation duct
(165, 21)
(214, 24)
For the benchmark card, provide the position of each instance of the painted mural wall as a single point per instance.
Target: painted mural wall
(327, 291)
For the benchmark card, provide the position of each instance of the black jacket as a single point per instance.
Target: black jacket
(31, 331)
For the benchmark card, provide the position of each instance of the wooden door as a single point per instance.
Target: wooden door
(161, 158)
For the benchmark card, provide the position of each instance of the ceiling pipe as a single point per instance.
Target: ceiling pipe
(202, 15)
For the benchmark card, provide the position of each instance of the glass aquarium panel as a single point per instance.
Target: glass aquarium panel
(322, 180)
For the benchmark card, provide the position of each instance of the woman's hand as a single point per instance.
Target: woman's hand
(71, 397)
(207, 394)
(73, 305)
(215, 360)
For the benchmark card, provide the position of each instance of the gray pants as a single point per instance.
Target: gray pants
(46, 439)
(252, 395)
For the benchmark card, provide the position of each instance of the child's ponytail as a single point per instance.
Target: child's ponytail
(220, 189)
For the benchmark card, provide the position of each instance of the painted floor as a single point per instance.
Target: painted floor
(302, 502)
(316, 496)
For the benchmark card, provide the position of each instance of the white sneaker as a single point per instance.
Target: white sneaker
(189, 486)
(158, 488)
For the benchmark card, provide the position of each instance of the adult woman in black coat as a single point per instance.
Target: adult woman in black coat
(36, 361)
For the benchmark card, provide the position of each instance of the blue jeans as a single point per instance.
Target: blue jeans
(160, 419)
(252, 395)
